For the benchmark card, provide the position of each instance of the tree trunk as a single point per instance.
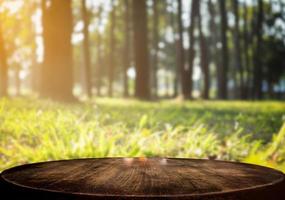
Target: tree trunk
(142, 87)
(177, 78)
(99, 66)
(258, 66)
(3, 66)
(155, 41)
(144, 179)
(194, 11)
(99, 63)
(204, 57)
(246, 43)
(176, 70)
(126, 53)
(184, 72)
(214, 54)
(223, 69)
(57, 76)
(112, 50)
(237, 47)
(86, 46)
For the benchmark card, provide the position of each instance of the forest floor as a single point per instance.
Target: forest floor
(36, 130)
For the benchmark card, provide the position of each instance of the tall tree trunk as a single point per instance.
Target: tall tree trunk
(142, 87)
(3, 66)
(223, 69)
(237, 47)
(204, 57)
(112, 50)
(126, 53)
(99, 52)
(176, 70)
(177, 78)
(258, 66)
(246, 59)
(155, 41)
(46, 74)
(57, 76)
(184, 72)
(193, 16)
(214, 54)
(99, 65)
(86, 46)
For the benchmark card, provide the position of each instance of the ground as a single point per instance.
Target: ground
(36, 130)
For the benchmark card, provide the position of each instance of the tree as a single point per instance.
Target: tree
(184, 72)
(246, 46)
(274, 63)
(19, 45)
(193, 16)
(142, 87)
(155, 41)
(258, 65)
(126, 54)
(214, 53)
(57, 74)
(204, 57)
(3, 66)
(237, 47)
(223, 69)
(99, 52)
(100, 64)
(112, 50)
(86, 47)
(174, 47)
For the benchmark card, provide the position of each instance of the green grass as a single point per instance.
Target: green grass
(33, 130)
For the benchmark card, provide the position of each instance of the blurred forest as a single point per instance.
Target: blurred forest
(195, 49)
(86, 51)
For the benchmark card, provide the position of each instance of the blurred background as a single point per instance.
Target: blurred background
(151, 49)
(178, 78)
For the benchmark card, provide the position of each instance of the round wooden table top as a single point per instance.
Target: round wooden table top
(141, 177)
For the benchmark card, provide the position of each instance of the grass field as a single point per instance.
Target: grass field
(33, 130)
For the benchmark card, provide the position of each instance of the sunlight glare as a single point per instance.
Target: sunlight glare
(132, 73)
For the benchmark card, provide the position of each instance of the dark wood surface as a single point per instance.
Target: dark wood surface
(131, 178)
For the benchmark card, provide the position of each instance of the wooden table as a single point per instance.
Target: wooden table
(142, 178)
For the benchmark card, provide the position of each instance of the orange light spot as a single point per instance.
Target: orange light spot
(142, 159)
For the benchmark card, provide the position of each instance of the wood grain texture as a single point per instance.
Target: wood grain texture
(144, 178)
